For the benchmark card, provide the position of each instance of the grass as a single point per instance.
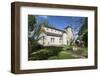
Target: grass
(65, 55)
(62, 55)
(53, 52)
(82, 52)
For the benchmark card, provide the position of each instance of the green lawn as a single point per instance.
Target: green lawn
(61, 52)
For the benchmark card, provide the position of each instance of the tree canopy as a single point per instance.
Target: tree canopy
(83, 32)
(31, 22)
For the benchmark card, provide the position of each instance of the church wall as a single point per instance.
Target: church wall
(55, 40)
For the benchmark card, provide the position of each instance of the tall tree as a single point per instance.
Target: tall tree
(84, 27)
(83, 32)
(31, 22)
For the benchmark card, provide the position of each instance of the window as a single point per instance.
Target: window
(52, 40)
(60, 39)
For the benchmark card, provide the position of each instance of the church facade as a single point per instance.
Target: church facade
(51, 36)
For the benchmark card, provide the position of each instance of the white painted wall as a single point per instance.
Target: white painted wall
(67, 37)
(48, 41)
(5, 41)
(56, 40)
(42, 41)
(52, 30)
(64, 39)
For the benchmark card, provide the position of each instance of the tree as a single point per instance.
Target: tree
(35, 29)
(31, 22)
(83, 32)
(84, 27)
(31, 26)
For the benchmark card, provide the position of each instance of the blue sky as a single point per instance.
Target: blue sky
(61, 22)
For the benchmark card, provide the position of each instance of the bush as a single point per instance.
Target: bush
(53, 50)
(66, 48)
(43, 54)
(33, 46)
(39, 55)
(52, 58)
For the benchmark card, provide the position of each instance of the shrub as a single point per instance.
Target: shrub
(40, 55)
(45, 53)
(33, 47)
(66, 48)
(53, 50)
(52, 58)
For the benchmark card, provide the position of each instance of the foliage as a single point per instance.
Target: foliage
(52, 58)
(85, 38)
(84, 27)
(65, 47)
(45, 53)
(33, 46)
(82, 52)
(34, 30)
(31, 22)
(40, 55)
(83, 32)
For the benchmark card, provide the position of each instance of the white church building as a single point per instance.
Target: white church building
(51, 36)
